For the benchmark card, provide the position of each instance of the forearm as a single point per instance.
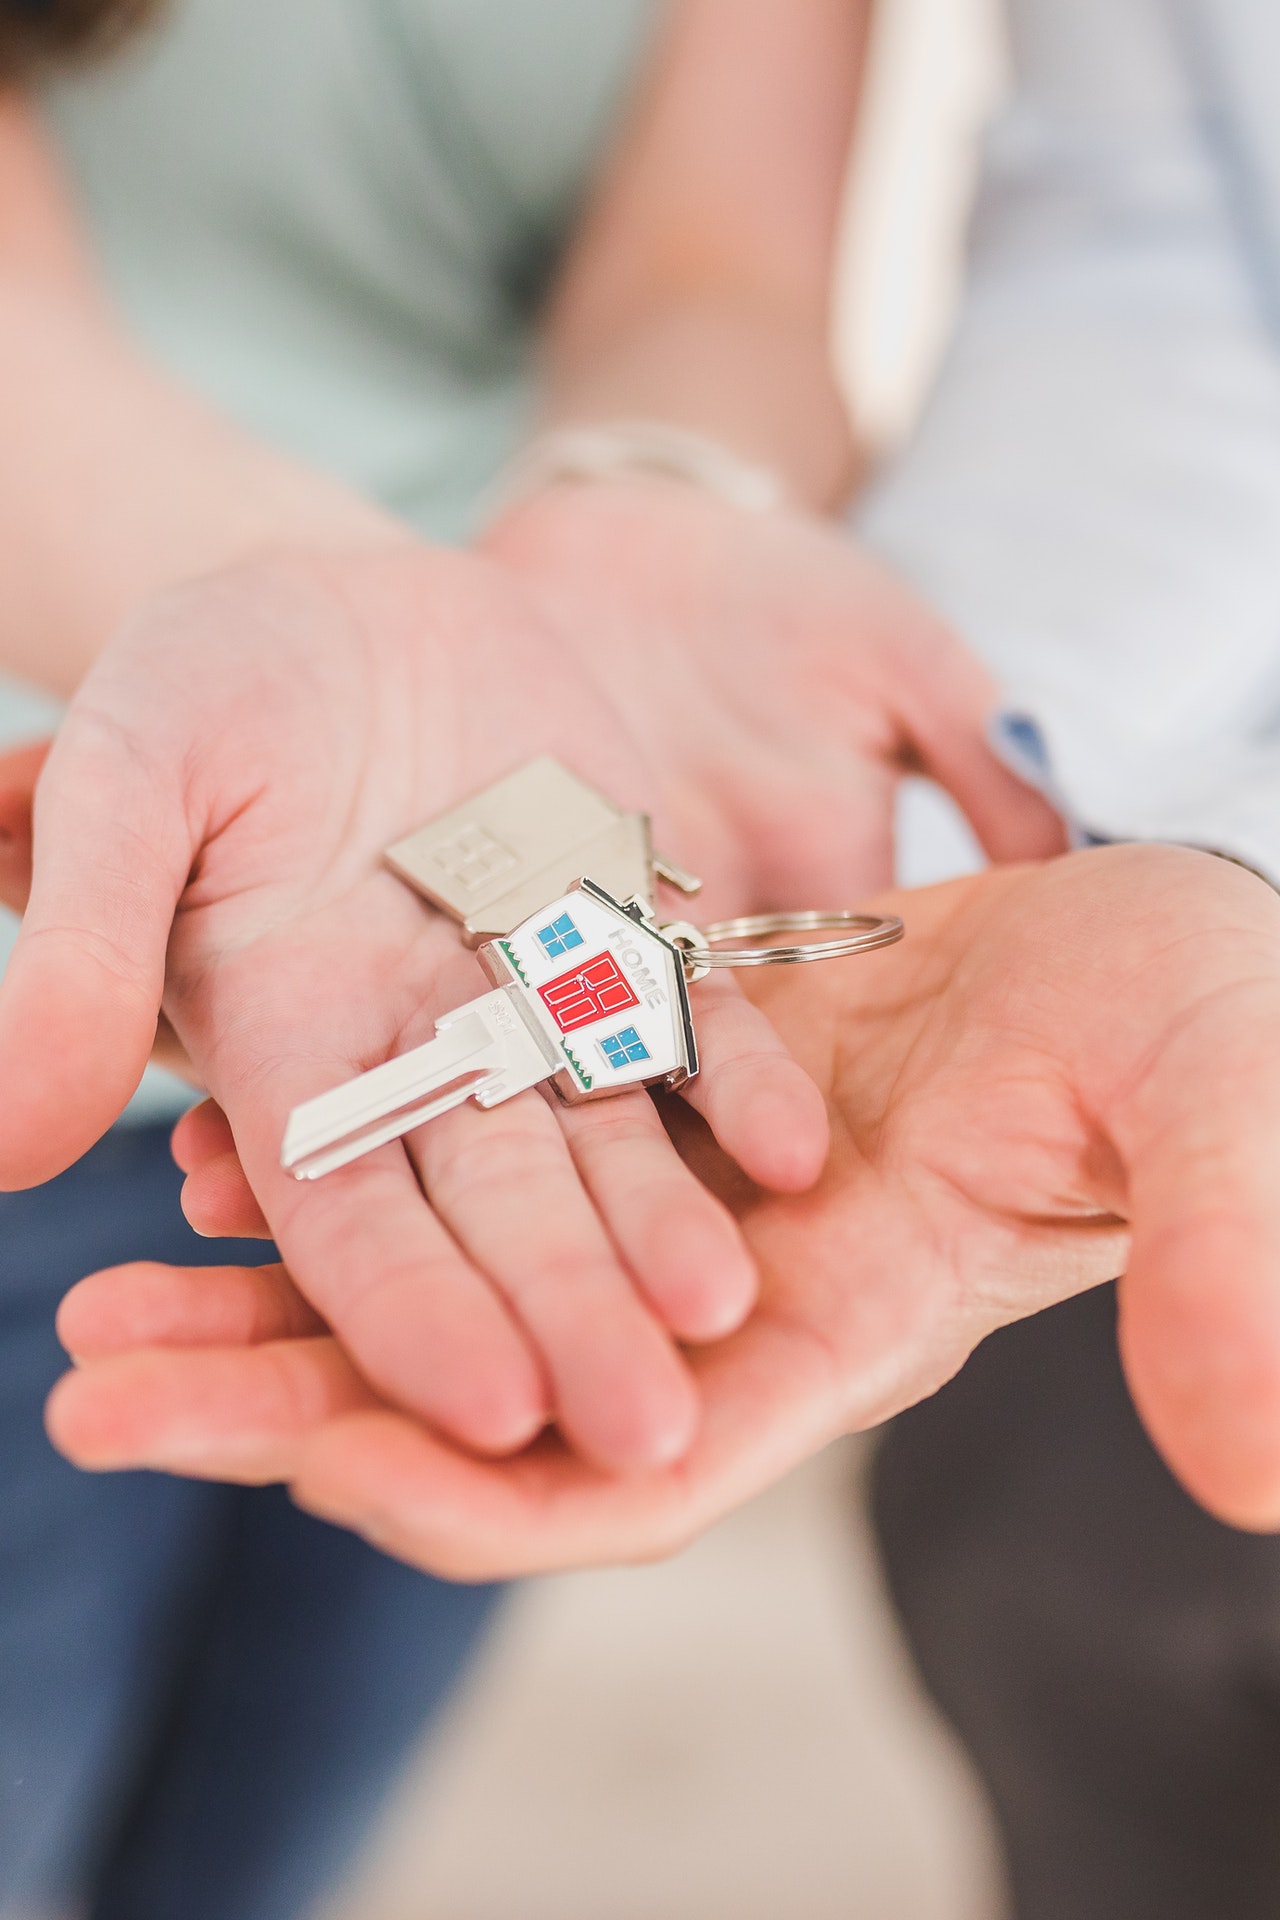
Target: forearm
(698, 291)
(757, 382)
(114, 482)
(114, 485)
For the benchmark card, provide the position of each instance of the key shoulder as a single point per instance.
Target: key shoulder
(493, 860)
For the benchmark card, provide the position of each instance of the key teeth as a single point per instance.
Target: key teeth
(293, 1151)
(296, 1157)
(486, 1096)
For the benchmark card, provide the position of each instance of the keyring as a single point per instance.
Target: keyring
(863, 932)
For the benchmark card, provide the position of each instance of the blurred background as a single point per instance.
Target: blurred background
(736, 1734)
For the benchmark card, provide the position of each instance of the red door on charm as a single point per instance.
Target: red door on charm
(595, 991)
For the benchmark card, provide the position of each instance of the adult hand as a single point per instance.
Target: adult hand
(1064, 1073)
(775, 677)
(209, 826)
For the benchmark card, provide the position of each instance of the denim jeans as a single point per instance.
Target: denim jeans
(204, 1693)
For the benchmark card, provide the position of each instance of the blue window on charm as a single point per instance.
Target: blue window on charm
(620, 1048)
(559, 937)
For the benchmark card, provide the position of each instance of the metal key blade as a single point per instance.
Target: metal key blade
(484, 1048)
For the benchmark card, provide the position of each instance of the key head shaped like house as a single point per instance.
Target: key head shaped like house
(493, 860)
(604, 989)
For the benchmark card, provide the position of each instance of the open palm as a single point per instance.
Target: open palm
(209, 827)
(1067, 1071)
(776, 677)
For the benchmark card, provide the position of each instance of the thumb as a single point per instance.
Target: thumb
(111, 851)
(1200, 1306)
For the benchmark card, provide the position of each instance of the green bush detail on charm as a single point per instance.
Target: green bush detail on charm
(576, 1064)
(512, 956)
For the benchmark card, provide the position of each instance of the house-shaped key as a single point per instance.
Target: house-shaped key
(589, 996)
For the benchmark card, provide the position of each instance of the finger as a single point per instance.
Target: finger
(158, 1408)
(81, 995)
(19, 771)
(505, 1184)
(945, 700)
(425, 1328)
(145, 1304)
(682, 1244)
(255, 1414)
(423, 1325)
(219, 1202)
(759, 1102)
(216, 1196)
(408, 1495)
(1011, 820)
(1200, 1305)
(203, 1133)
(770, 1400)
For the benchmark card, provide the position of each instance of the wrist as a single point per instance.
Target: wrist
(628, 449)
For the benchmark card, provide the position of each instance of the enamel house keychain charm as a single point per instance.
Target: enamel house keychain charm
(591, 995)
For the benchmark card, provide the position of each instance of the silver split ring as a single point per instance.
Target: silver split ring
(861, 933)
